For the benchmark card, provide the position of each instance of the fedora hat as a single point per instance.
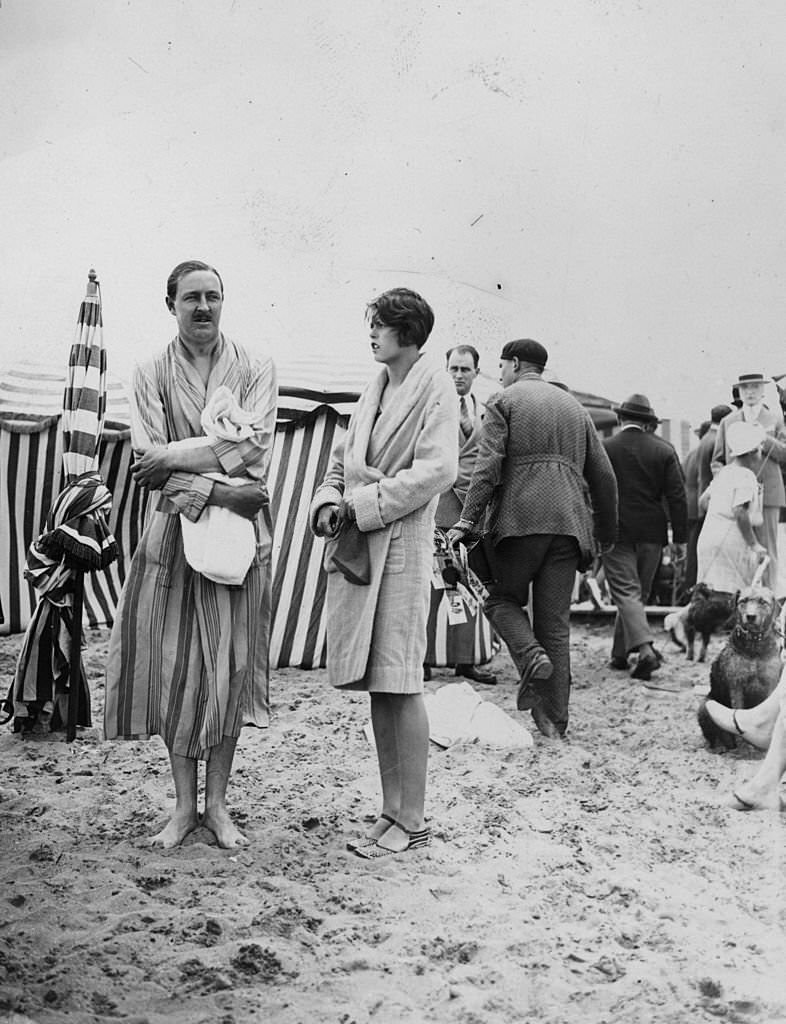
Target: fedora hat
(637, 407)
(751, 378)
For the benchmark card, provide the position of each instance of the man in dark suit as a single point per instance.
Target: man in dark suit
(707, 447)
(539, 461)
(773, 448)
(463, 365)
(690, 473)
(648, 472)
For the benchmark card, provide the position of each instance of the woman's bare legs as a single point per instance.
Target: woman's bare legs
(753, 724)
(763, 790)
(217, 771)
(185, 818)
(387, 758)
(401, 732)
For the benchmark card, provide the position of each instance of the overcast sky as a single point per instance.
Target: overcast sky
(607, 177)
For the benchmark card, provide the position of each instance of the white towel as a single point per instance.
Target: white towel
(220, 545)
(457, 714)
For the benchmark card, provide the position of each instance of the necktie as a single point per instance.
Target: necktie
(465, 420)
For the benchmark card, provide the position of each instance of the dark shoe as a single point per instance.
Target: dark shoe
(538, 670)
(619, 664)
(426, 673)
(645, 666)
(480, 675)
(545, 725)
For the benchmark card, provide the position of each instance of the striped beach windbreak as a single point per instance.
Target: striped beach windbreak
(315, 401)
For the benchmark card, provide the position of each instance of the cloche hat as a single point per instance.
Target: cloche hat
(742, 437)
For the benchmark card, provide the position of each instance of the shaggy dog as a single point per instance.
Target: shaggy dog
(708, 610)
(748, 668)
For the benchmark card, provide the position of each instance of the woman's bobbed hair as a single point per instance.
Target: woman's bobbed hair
(406, 312)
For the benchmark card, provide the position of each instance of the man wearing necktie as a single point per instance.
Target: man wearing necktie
(463, 365)
(773, 448)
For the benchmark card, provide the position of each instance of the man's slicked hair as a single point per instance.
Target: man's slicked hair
(188, 267)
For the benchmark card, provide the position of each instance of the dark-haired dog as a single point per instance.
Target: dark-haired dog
(748, 668)
(708, 611)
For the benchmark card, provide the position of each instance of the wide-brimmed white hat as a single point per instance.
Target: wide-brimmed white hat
(742, 438)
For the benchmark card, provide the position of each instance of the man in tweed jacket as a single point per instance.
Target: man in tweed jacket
(543, 470)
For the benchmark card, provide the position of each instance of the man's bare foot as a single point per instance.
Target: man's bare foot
(176, 830)
(228, 835)
(749, 797)
(749, 724)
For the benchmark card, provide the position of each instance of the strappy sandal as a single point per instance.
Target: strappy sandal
(362, 841)
(417, 838)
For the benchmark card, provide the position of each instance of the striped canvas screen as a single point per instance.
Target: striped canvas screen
(312, 417)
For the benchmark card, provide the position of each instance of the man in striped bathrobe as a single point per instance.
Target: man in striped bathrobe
(188, 657)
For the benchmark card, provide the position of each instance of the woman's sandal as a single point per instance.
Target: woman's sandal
(362, 841)
(417, 838)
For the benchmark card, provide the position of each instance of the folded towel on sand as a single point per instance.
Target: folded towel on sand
(457, 713)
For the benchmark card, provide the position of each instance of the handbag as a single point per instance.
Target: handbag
(348, 554)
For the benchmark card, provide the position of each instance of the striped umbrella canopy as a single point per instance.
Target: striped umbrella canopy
(84, 399)
(49, 689)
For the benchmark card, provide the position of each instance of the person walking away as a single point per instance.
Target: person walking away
(648, 476)
(549, 484)
(690, 473)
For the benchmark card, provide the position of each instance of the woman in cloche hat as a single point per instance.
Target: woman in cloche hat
(728, 550)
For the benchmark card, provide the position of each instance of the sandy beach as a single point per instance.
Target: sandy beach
(599, 880)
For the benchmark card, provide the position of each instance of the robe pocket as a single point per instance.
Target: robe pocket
(396, 560)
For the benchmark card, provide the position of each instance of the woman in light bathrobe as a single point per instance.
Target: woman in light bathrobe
(398, 455)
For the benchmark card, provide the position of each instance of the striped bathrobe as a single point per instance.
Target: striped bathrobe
(188, 658)
(394, 464)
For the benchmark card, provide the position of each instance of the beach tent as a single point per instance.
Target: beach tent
(315, 402)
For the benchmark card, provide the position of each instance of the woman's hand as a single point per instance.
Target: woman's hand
(760, 552)
(328, 521)
(151, 468)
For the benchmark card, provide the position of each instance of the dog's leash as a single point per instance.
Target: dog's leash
(758, 576)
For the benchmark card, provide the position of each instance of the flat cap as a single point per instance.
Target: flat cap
(718, 412)
(527, 350)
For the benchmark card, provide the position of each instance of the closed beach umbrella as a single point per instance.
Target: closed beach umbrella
(76, 539)
(84, 400)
